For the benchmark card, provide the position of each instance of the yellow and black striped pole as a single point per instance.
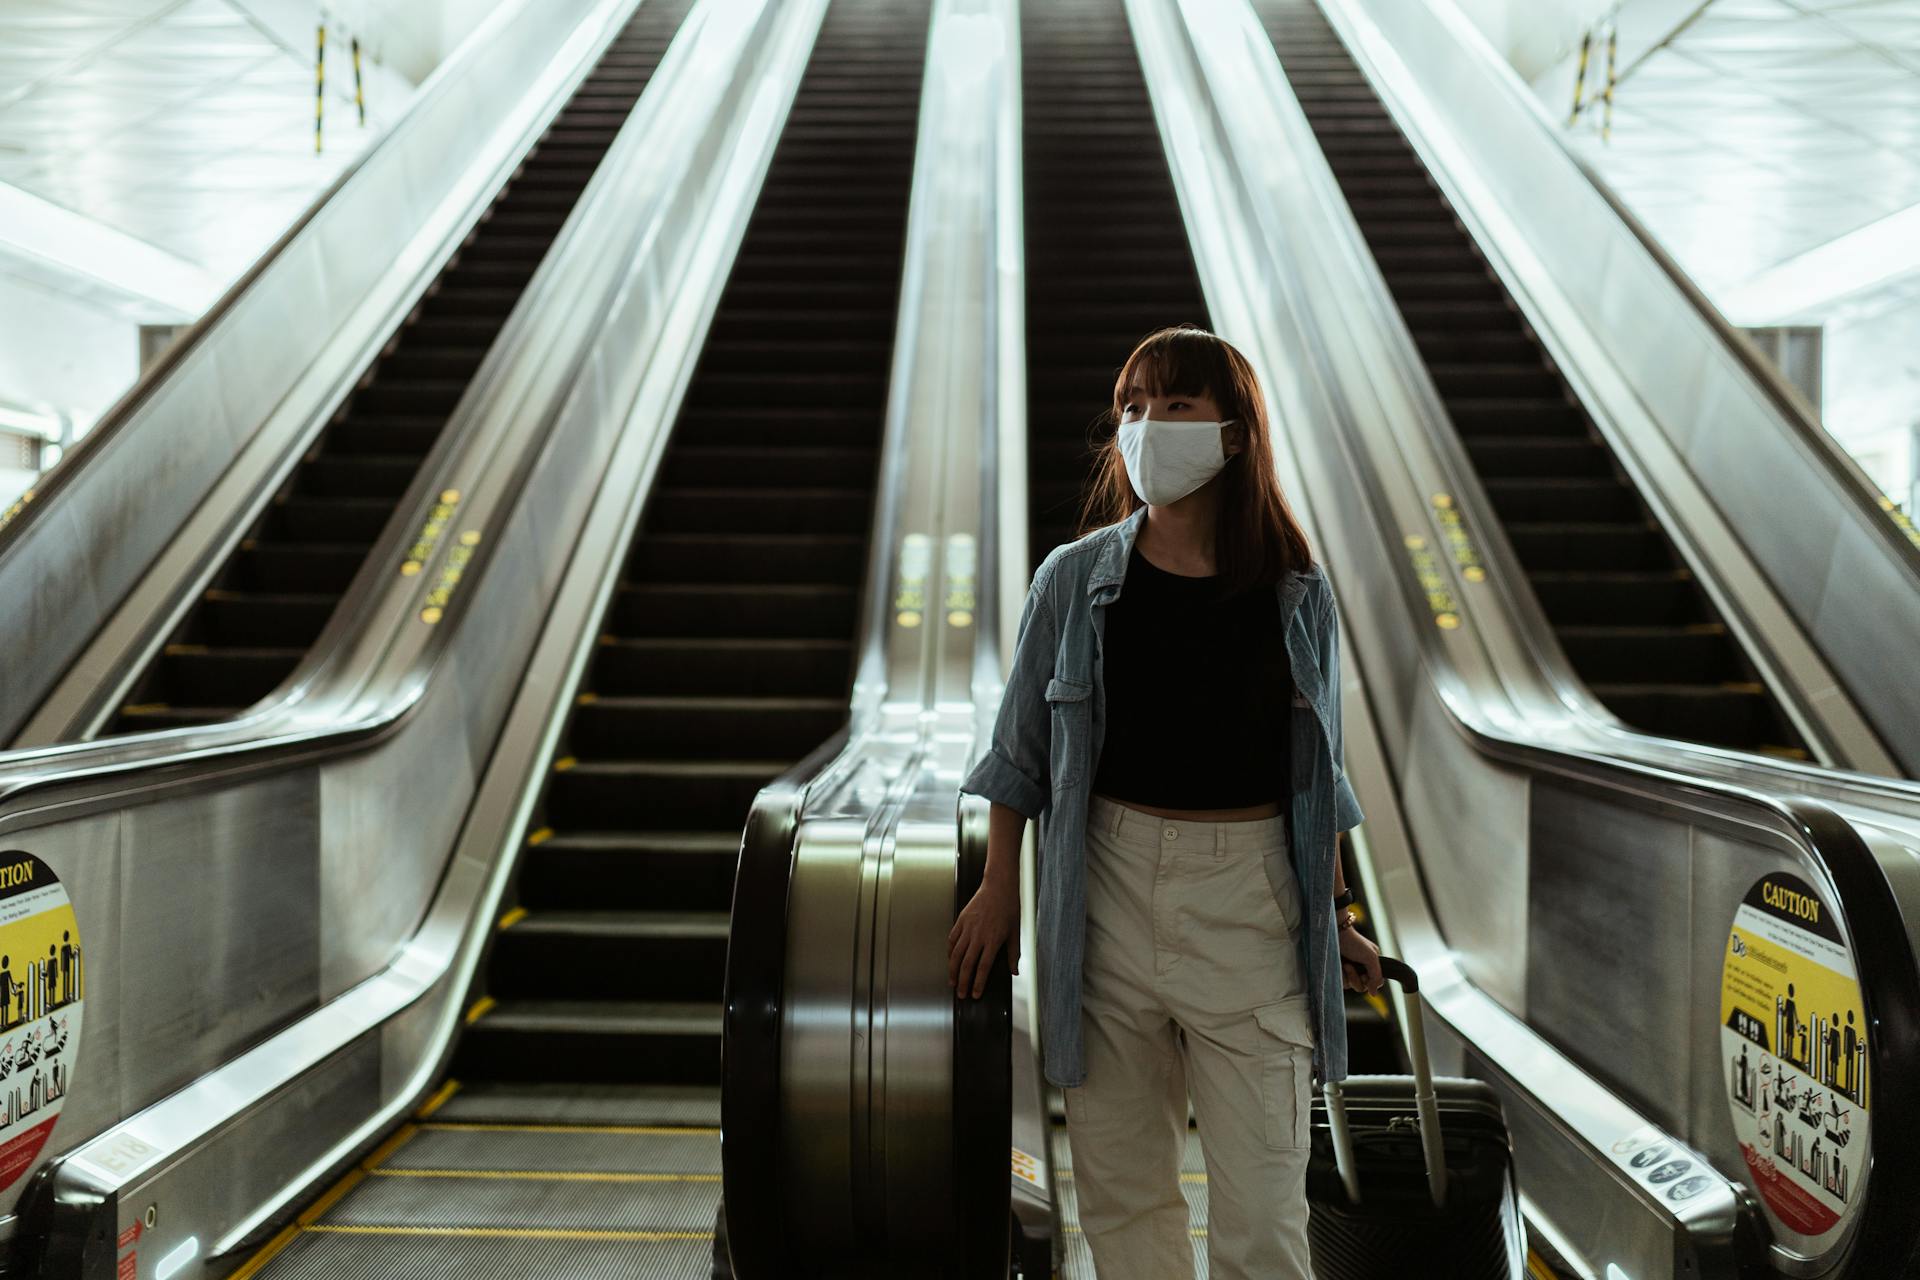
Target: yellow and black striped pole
(359, 86)
(1613, 78)
(319, 85)
(1580, 77)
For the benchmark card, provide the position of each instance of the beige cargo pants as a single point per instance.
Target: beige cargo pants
(1191, 981)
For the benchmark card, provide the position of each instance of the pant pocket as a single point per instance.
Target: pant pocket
(1286, 1071)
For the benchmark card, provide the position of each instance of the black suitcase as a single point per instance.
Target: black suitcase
(1432, 1168)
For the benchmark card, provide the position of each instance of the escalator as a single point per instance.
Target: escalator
(577, 1132)
(1634, 623)
(1107, 257)
(267, 604)
(1107, 263)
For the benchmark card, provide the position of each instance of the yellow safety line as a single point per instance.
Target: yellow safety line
(588, 699)
(514, 1233)
(384, 1152)
(474, 1126)
(313, 1211)
(438, 1100)
(305, 1222)
(541, 836)
(544, 1175)
(251, 1267)
(564, 763)
(1538, 1268)
(513, 917)
(480, 1009)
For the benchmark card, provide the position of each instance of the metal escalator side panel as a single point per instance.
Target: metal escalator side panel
(276, 1105)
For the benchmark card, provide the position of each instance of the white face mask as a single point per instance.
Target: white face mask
(1166, 461)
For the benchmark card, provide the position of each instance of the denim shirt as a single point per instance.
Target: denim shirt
(1046, 747)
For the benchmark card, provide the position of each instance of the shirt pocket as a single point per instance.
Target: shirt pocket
(1071, 711)
(1286, 1072)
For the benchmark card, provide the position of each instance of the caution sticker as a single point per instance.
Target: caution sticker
(42, 994)
(1794, 1054)
(1026, 1167)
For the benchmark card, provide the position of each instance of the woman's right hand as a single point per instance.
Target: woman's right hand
(989, 921)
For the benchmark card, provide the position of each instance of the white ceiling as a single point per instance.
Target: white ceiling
(186, 124)
(1760, 141)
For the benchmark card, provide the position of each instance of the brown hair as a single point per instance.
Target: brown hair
(1257, 539)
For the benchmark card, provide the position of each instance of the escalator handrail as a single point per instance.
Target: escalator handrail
(1871, 902)
(1365, 35)
(360, 675)
(438, 959)
(897, 665)
(560, 45)
(1788, 401)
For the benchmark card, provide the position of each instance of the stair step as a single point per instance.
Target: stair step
(631, 870)
(656, 795)
(593, 1042)
(703, 727)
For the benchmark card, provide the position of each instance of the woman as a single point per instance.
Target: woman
(1172, 720)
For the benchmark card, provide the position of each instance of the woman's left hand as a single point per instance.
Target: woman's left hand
(1359, 962)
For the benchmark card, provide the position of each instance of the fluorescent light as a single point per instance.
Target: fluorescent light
(41, 231)
(186, 1251)
(1857, 261)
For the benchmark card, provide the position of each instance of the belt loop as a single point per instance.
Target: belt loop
(1219, 841)
(1119, 816)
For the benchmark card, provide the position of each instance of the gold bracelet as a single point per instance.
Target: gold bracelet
(1347, 919)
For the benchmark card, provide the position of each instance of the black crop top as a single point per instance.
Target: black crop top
(1199, 694)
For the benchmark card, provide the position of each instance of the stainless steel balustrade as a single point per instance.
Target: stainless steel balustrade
(1564, 887)
(1784, 529)
(97, 562)
(293, 919)
(862, 1109)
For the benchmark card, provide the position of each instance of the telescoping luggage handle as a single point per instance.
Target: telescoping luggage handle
(1423, 1099)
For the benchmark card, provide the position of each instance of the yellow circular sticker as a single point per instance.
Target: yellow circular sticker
(43, 987)
(1793, 1035)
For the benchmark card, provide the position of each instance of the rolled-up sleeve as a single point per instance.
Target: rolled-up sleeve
(1347, 812)
(1013, 769)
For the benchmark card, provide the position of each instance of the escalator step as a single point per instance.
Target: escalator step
(1504, 456)
(727, 665)
(485, 1102)
(748, 557)
(190, 675)
(1698, 654)
(1563, 545)
(594, 1042)
(822, 610)
(629, 870)
(778, 465)
(637, 795)
(414, 361)
(301, 518)
(258, 620)
(508, 1206)
(1585, 501)
(373, 434)
(1658, 597)
(1727, 715)
(308, 568)
(453, 1147)
(368, 476)
(702, 727)
(690, 509)
(611, 955)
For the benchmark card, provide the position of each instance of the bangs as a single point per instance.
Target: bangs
(1179, 361)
